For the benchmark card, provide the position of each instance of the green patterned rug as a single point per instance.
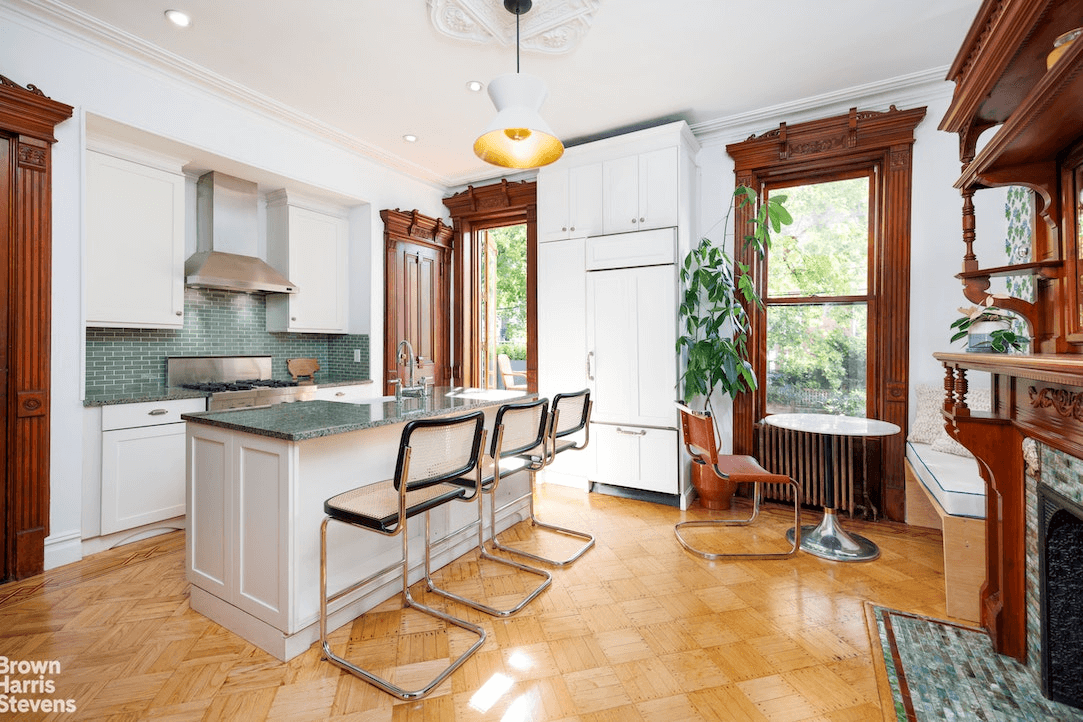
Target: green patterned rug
(938, 670)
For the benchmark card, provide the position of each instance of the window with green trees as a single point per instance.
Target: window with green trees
(817, 300)
(502, 302)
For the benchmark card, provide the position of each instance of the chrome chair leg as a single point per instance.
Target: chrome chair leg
(744, 522)
(409, 602)
(547, 578)
(537, 523)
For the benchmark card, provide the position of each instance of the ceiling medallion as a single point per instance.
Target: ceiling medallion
(555, 28)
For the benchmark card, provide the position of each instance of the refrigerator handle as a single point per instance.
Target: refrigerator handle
(590, 366)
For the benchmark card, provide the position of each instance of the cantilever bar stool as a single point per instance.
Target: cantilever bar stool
(517, 428)
(698, 432)
(570, 415)
(432, 453)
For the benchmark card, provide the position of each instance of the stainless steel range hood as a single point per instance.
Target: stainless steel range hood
(227, 238)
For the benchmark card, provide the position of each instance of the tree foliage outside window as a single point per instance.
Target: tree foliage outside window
(817, 301)
(510, 242)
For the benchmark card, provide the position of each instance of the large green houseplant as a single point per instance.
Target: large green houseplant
(713, 321)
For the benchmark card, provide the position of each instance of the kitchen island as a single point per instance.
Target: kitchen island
(256, 482)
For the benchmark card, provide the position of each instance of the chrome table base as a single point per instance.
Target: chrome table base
(829, 541)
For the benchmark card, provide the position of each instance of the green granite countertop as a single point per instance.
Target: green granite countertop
(312, 419)
(137, 393)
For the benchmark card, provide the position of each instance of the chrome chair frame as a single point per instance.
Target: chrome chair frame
(488, 484)
(399, 528)
(550, 448)
(709, 457)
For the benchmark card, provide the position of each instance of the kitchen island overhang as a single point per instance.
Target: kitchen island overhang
(256, 483)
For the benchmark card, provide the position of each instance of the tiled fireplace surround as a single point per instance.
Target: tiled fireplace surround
(1063, 474)
(215, 323)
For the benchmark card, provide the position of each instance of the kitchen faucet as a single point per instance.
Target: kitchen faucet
(407, 358)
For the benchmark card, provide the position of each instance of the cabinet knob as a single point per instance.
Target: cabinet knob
(563, 228)
(158, 412)
(340, 393)
(573, 228)
(633, 220)
(641, 220)
(180, 313)
(293, 318)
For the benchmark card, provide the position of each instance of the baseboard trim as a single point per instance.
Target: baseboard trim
(61, 549)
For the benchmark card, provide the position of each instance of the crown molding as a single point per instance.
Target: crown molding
(58, 19)
(900, 91)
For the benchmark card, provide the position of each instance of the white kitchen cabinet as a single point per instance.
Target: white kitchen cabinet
(134, 243)
(307, 242)
(636, 457)
(562, 341)
(351, 393)
(569, 201)
(631, 345)
(641, 191)
(562, 327)
(142, 462)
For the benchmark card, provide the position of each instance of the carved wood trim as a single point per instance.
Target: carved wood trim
(879, 143)
(404, 233)
(29, 118)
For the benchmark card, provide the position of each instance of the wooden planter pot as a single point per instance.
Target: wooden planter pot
(714, 492)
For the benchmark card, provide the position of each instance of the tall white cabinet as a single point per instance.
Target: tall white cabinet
(307, 243)
(607, 302)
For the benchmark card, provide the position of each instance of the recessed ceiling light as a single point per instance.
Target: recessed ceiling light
(410, 138)
(178, 18)
(475, 86)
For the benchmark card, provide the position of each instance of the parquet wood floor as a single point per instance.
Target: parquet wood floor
(637, 629)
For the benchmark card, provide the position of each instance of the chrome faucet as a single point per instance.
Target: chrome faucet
(408, 359)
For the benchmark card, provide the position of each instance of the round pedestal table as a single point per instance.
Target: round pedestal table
(828, 540)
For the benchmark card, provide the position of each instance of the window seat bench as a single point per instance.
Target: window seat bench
(945, 491)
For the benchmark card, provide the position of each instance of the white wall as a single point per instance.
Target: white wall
(936, 245)
(109, 84)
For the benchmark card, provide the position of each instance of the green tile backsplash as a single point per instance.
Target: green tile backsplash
(217, 323)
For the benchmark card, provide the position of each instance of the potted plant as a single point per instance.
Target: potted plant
(714, 324)
(988, 329)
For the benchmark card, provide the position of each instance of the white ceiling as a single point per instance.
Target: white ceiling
(378, 69)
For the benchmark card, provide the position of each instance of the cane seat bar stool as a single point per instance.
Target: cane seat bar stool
(698, 432)
(517, 428)
(432, 453)
(570, 415)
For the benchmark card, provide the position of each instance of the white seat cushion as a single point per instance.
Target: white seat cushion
(953, 480)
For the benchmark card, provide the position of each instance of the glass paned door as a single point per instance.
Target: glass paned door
(502, 329)
(817, 300)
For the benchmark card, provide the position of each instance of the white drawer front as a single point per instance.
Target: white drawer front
(149, 413)
(628, 250)
(636, 457)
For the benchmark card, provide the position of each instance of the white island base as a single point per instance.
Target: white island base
(255, 505)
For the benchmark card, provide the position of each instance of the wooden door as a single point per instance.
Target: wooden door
(420, 270)
(417, 297)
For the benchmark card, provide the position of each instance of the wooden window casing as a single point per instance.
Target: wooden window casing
(879, 144)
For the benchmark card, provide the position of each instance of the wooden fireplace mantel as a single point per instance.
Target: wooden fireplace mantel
(1036, 396)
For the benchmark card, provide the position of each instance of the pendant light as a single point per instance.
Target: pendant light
(518, 137)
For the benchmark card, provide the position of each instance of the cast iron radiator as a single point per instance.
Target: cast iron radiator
(800, 456)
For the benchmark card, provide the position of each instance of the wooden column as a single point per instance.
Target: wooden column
(27, 118)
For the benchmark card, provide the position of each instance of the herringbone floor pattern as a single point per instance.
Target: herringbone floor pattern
(636, 630)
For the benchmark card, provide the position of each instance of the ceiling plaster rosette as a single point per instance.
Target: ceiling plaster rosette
(551, 27)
